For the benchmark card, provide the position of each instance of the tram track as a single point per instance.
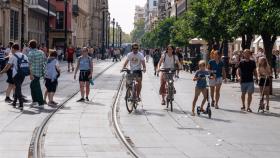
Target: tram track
(35, 147)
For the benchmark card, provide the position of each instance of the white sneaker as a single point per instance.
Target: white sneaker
(33, 104)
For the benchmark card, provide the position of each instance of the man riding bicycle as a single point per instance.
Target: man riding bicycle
(168, 60)
(136, 61)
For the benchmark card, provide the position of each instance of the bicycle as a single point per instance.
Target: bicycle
(169, 78)
(131, 99)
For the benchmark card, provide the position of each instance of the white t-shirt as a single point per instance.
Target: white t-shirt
(135, 60)
(13, 61)
(168, 61)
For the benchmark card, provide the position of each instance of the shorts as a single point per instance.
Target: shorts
(84, 76)
(247, 87)
(138, 73)
(262, 81)
(10, 79)
(155, 64)
(51, 86)
(70, 60)
(215, 82)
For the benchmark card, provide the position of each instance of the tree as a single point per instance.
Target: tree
(138, 31)
(265, 21)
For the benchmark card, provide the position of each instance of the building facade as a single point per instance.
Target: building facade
(139, 14)
(151, 13)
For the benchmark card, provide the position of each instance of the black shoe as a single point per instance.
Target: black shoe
(20, 108)
(14, 105)
(25, 100)
(87, 99)
(81, 100)
(8, 100)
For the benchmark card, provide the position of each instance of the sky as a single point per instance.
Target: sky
(123, 11)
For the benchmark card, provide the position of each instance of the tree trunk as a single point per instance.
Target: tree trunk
(246, 41)
(268, 42)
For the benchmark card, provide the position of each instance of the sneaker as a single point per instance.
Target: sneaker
(8, 100)
(81, 100)
(33, 104)
(20, 108)
(87, 99)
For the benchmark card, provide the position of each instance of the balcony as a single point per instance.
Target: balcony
(75, 9)
(41, 6)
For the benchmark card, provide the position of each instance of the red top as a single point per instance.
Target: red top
(70, 53)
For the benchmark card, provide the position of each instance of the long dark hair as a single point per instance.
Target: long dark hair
(173, 48)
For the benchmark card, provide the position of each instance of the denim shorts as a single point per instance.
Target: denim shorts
(247, 87)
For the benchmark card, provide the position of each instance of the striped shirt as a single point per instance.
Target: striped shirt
(2, 55)
(37, 61)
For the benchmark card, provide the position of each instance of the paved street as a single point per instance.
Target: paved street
(16, 128)
(86, 130)
(155, 132)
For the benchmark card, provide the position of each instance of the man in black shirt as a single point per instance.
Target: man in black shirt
(245, 72)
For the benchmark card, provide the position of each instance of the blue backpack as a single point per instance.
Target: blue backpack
(23, 66)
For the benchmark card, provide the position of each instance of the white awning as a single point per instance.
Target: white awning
(197, 41)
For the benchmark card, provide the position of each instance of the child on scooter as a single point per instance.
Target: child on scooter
(201, 84)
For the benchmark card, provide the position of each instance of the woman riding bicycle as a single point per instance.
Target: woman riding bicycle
(167, 61)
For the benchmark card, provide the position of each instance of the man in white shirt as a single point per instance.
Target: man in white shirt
(18, 78)
(136, 61)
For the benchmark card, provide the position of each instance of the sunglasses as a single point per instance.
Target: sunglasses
(135, 48)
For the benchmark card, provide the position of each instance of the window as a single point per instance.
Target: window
(59, 20)
(155, 3)
(14, 25)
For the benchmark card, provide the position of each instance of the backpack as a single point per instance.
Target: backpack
(22, 65)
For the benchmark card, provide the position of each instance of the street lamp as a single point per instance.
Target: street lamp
(113, 22)
(104, 9)
(65, 28)
(117, 27)
(48, 27)
(22, 24)
(120, 37)
(108, 31)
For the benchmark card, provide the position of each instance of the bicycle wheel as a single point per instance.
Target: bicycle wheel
(128, 101)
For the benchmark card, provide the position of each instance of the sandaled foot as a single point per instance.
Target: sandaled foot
(216, 107)
(193, 114)
(212, 103)
(243, 108)
(267, 108)
(249, 109)
(163, 102)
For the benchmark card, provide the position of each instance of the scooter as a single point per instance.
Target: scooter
(208, 108)
(261, 103)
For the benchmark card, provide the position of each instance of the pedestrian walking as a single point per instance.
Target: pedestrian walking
(217, 69)
(85, 66)
(51, 77)
(156, 57)
(20, 68)
(274, 63)
(70, 57)
(265, 75)
(201, 83)
(9, 72)
(37, 60)
(234, 61)
(180, 57)
(245, 72)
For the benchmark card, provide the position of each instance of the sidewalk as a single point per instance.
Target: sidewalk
(84, 129)
(16, 128)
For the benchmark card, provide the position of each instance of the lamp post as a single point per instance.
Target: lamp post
(104, 9)
(113, 22)
(65, 27)
(22, 24)
(120, 37)
(48, 27)
(108, 31)
(117, 25)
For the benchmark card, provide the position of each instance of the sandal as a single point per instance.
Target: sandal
(193, 114)
(163, 102)
(243, 108)
(216, 107)
(212, 103)
(249, 109)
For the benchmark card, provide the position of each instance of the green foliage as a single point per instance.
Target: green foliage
(138, 31)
